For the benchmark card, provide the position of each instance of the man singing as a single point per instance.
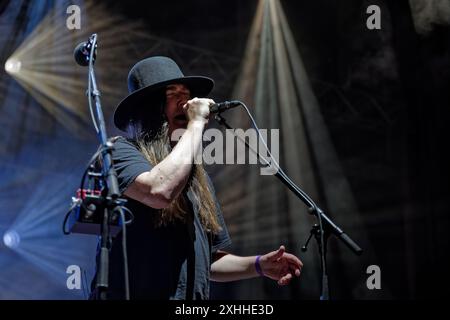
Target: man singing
(177, 239)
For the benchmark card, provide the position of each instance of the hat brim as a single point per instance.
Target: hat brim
(126, 109)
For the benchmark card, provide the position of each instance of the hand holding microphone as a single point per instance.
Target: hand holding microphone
(198, 109)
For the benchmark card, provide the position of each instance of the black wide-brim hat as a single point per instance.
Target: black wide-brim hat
(147, 82)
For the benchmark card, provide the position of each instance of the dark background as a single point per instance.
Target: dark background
(385, 98)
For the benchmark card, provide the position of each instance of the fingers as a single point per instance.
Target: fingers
(211, 103)
(295, 269)
(288, 265)
(198, 108)
(295, 265)
(285, 279)
(275, 255)
(293, 259)
(288, 273)
(194, 100)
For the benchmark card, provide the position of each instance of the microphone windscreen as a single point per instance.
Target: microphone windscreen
(80, 55)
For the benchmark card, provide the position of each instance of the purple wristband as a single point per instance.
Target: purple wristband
(258, 266)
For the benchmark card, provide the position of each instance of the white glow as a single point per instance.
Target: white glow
(13, 66)
(11, 239)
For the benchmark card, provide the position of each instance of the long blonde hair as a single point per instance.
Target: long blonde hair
(155, 148)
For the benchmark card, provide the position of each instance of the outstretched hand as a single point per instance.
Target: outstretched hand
(280, 266)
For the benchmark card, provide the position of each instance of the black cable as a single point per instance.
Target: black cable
(131, 214)
(99, 151)
(66, 217)
(80, 201)
(83, 178)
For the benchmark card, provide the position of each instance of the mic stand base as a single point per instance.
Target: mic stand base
(315, 232)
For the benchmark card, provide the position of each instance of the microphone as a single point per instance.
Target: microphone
(223, 106)
(82, 52)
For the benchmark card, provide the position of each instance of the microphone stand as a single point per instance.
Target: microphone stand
(111, 193)
(322, 231)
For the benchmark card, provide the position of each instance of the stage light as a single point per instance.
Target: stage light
(11, 239)
(36, 233)
(13, 65)
(43, 64)
(262, 213)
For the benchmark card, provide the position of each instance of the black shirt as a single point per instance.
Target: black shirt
(164, 262)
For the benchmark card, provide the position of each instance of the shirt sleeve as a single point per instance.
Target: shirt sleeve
(129, 162)
(222, 239)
